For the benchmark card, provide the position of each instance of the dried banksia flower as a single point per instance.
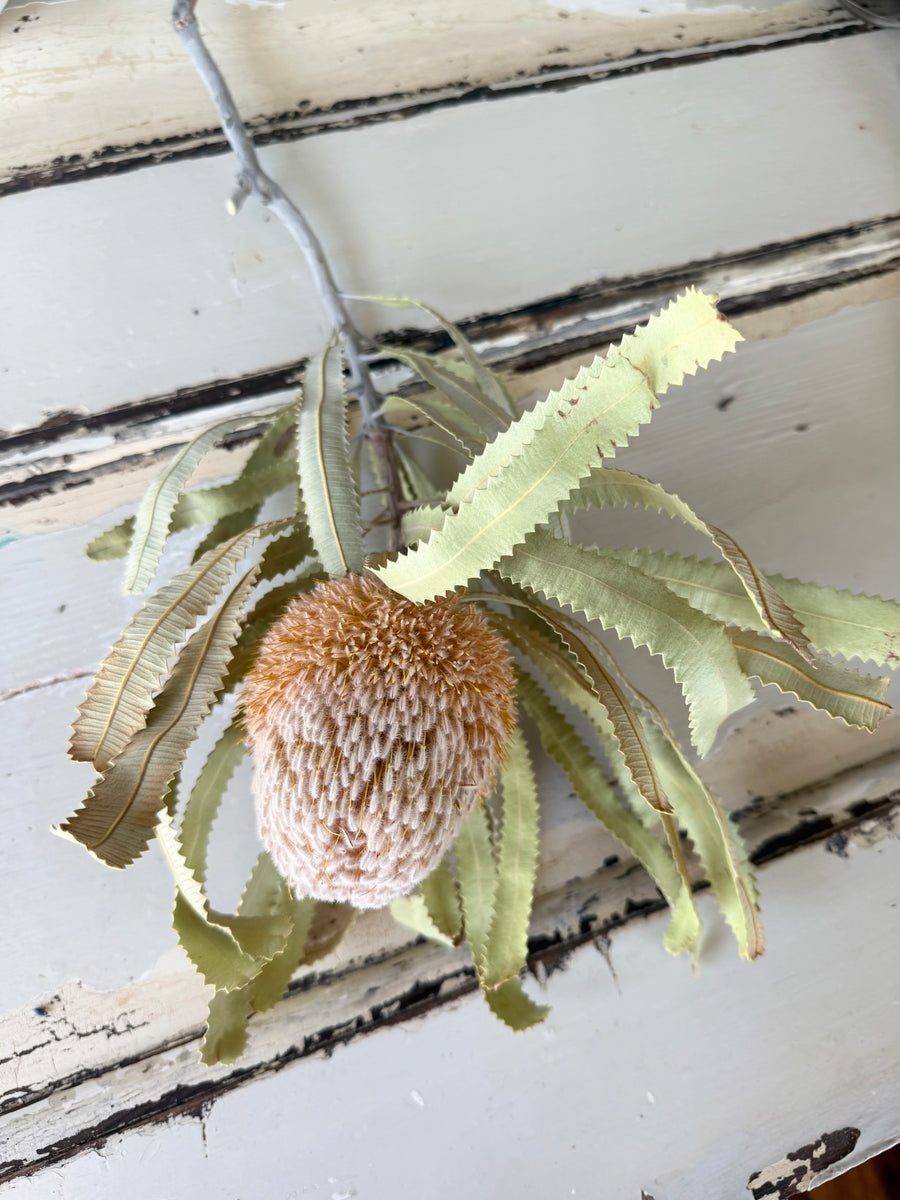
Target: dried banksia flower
(376, 725)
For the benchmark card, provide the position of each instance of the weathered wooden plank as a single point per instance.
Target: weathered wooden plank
(767, 291)
(659, 1050)
(616, 178)
(124, 92)
(749, 444)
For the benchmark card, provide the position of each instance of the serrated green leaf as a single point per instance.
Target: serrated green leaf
(234, 500)
(420, 523)
(569, 752)
(441, 897)
(715, 839)
(529, 469)
(514, 1008)
(226, 1031)
(574, 669)
(608, 485)
(837, 621)
(151, 522)
(206, 796)
(506, 952)
(211, 947)
(117, 818)
(415, 482)
(459, 434)
(469, 410)
(116, 703)
(856, 698)
(330, 497)
(477, 877)
(489, 381)
(229, 526)
(636, 606)
(411, 912)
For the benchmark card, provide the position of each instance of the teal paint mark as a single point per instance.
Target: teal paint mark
(6, 539)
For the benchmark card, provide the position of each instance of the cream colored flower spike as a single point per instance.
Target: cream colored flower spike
(376, 724)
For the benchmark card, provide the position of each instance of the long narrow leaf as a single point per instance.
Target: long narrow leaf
(856, 698)
(211, 947)
(697, 650)
(716, 840)
(608, 485)
(206, 796)
(411, 912)
(456, 383)
(117, 818)
(226, 1031)
(329, 492)
(528, 470)
(122, 692)
(477, 875)
(441, 896)
(151, 523)
(491, 384)
(566, 748)
(507, 944)
(837, 621)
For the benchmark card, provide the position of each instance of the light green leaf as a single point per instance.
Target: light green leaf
(715, 839)
(211, 947)
(411, 912)
(489, 381)
(566, 748)
(151, 523)
(608, 485)
(528, 470)
(226, 1031)
(467, 403)
(695, 649)
(441, 897)
(837, 621)
(856, 698)
(116, 819)
(420, 523)
(640, 783)
(206, 796)
(477, 876)
(575, 670)
(507, 945)
(513, 1007)
(461, 434)
(122, 692)
(415, 481)
(329, 492)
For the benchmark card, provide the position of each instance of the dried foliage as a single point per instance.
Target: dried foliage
(377, 694)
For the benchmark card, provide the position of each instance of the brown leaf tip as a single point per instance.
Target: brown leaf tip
(376, 724)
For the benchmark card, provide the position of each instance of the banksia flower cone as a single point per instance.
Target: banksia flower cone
(376, 725)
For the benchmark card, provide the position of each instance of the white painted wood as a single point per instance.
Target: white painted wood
(682, 1088)
(624, 176)
(748, 469)
(119, 81)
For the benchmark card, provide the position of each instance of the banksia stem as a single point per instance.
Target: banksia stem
(376, 724)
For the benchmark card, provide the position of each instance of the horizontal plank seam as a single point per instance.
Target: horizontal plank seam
(495, 327)
(548, 953)
(293, 126)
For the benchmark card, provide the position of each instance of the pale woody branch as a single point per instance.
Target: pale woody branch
(253, 179)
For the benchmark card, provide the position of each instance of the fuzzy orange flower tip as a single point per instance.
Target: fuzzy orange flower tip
(376, 724)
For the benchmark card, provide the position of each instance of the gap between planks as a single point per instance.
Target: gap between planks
(54, 1120)
(769, 290)
(295, 124)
